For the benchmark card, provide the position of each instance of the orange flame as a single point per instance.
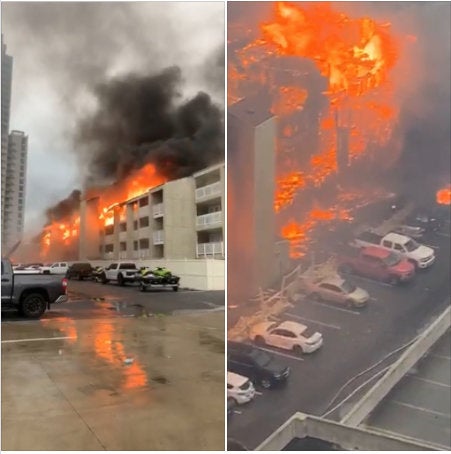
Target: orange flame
(443, 196)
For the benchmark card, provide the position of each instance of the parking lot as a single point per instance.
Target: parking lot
(354, 340)
(116, 369)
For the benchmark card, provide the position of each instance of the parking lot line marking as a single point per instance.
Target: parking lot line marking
(275, 352)
(12, 341)
(258, 393)
(372, 298)
(367, 279)
(237, 412)
(336, 308)
(440, 356)
(447, 235)
(432, 382)
(426, 410)
(312, 321)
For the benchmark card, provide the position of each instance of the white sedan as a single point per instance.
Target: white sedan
(239, 388)
(287, 335)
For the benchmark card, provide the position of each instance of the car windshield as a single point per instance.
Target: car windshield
(392, 259)
(260, 357)
(348, 287)
(411, 245)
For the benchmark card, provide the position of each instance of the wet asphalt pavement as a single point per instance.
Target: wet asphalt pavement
(116, 369)
(353, 340)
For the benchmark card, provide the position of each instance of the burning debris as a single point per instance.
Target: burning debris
(444, 196)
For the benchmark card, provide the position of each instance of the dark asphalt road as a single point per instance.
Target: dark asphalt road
(89, 299)
(353, 340)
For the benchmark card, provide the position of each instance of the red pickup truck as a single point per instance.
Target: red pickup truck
(376, 263)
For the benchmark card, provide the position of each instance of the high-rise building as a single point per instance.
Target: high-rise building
(13, 207)
(7, 72)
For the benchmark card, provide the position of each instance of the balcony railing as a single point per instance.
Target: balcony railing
(209, 220)
(158, 210)
(211, 190)
(158, 237)
(210, 249)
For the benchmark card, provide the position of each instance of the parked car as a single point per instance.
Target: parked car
(31, 295)
(97, 273)
(55, 268)
(239, 388)
(261, 367)
(418, 254)
(376, 263)
(121, 272)
(337, 290)
(79, 271)
(288, 336)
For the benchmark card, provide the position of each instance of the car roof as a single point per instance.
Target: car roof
(333, 280)
(293, 326)
(236, 379)
(376, 252)
(396, 238)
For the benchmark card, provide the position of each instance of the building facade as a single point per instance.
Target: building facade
(13, 207)
(181, 219)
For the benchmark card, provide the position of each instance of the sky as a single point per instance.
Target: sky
(62, 50)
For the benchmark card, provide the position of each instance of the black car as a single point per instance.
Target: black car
(79, 271)
(259, 366)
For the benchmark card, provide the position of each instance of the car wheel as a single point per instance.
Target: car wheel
(175, 288)
(345, 269)
(260, 340)
(350, 304)
(265, 383)
(120, 280)
(33, 305)
(393, 280)
(80, 277)
(103, 279)
(46, 272)
(297, 349)
(142, 287)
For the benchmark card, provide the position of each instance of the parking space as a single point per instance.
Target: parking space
(354, 339)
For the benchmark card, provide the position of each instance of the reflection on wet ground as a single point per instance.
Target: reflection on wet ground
(123, 379)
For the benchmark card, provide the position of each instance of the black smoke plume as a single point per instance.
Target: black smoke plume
(66, 207)
(141, 119)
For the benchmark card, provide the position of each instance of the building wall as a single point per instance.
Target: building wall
(161, 223)
(13, 208)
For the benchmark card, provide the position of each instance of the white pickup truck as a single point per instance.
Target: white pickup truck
(419, 255)
(55, 268)
(121, 272)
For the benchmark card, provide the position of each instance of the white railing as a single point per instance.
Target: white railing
(158, 210)
(210, 219)
(210, 249)
(123, 254)
(210, 190)
(158, 237)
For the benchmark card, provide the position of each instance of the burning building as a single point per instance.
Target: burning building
(336, 80)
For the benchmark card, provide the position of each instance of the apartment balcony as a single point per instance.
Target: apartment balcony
(210, 250)
(208, 192)
(158, 210)
(209, 221)
(158, 237)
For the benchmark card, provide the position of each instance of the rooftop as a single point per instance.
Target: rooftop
(253, 109)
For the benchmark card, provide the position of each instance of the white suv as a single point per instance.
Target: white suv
(121, 272)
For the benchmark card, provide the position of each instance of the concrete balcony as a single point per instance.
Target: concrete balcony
(158, 210)
(158, 237)
(209, 221)
(210, 250)
(208, 192)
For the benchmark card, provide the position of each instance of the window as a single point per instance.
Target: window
(109, 229)
(144, 243)
(109, 248)
(144, 222)
(144, 201)
(135, 225)
(127, 266)
(388, 244)
(122, 246)
(398, 247)
(123, 227)
(135, 245)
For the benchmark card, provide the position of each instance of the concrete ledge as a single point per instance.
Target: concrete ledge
(398, 370)
(344, 437)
